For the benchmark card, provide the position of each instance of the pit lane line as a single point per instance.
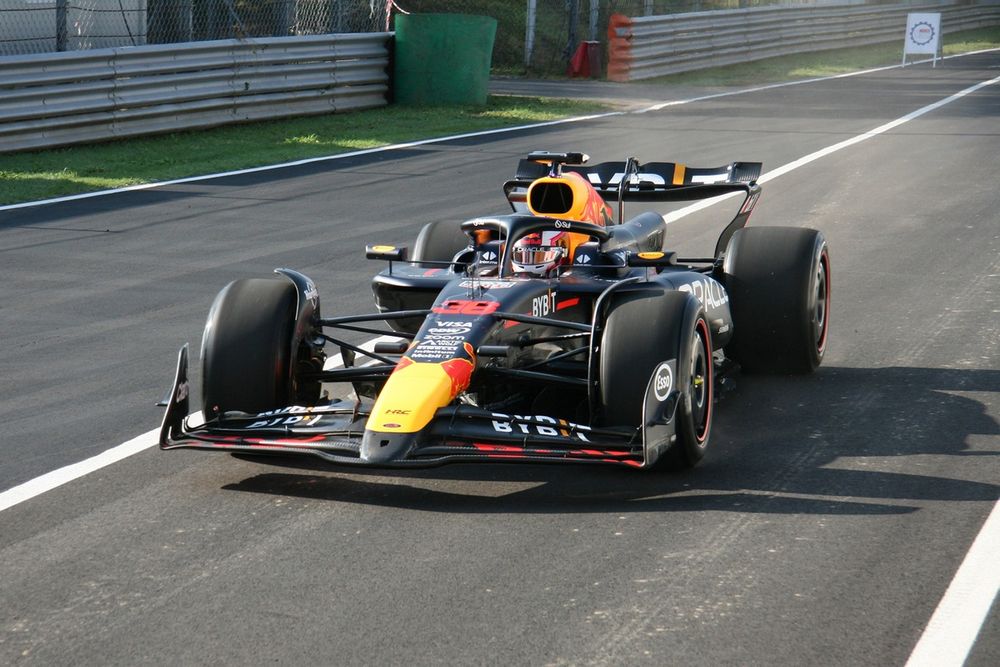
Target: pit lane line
(959, 616)
(424, 142)
(66, 474)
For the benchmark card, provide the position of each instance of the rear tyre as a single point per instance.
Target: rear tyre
(439, 241)
(247, 347)
(643, 329)
(778, 281)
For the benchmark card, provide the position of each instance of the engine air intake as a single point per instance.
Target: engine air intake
(551, 198)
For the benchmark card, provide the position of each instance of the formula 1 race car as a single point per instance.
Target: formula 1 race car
(557, 333)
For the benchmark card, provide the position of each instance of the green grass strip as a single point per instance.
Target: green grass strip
(50, 173)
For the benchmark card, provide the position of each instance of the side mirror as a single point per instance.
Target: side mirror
(658, 259)
(390, 253)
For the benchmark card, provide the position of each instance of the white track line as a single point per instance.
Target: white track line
(757, 89)
(51, 480)
(296, 163)
(881, 129)
(959, 617)
(952, 630)
(34, 487)
(673, 216)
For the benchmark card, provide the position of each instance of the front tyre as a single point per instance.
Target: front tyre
(778, 281)
(247, 347)
(643, 329)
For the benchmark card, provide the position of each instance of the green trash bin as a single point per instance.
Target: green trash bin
(443, 58)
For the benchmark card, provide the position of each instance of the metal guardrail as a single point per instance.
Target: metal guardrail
(650, 46)
(65, 98)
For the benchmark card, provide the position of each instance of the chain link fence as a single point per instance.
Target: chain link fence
(42, 26)
(540, 36)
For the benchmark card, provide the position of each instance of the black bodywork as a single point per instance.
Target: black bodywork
(532, 344)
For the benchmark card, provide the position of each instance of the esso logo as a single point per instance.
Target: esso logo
(663, 381)
(449, 330)
(559, 224)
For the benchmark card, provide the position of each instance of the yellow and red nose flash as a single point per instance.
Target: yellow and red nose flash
(415, 391)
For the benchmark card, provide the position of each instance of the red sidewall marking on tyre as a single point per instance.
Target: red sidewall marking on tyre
(824, 259)
(706, 343)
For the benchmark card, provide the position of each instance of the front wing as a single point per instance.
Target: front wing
(458, 434)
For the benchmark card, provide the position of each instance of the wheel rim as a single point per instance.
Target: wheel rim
(821, 297)
(700, 388)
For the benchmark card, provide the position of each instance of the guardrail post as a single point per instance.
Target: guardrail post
(574, 16)
(619, 47)
(61, 25)
(336, 22)
(529, 32)
(285, 18)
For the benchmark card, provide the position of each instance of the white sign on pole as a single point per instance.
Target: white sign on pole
(923, 35)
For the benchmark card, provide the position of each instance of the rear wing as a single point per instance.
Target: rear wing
(651, 181)
(632, 181)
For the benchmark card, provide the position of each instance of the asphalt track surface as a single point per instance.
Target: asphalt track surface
(823, 527)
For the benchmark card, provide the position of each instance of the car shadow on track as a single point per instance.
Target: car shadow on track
(842, 441)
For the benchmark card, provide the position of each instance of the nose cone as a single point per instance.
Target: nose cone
(386, 447)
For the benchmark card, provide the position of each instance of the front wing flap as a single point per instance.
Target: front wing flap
(457, 434)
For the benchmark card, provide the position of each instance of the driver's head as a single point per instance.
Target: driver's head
(539, 254)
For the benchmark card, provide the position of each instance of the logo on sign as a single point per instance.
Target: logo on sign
(922, 33)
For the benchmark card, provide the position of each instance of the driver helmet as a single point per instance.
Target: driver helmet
(539, 254)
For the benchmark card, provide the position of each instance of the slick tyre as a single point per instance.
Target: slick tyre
(247, 347)
(644, 328)
(778, 281)
(439, 241)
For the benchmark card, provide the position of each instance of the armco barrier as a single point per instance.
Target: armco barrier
(650, 46)
(64, 98)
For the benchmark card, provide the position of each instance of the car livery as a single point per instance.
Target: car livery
(613, 355)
